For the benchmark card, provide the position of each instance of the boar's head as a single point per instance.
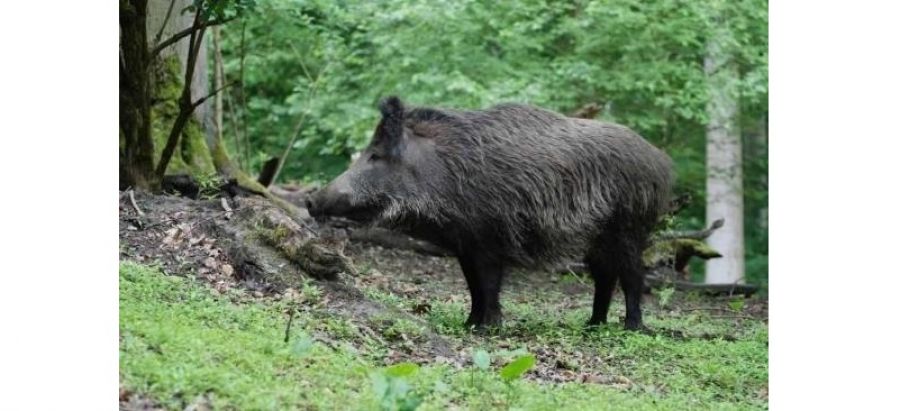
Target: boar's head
(389, 176)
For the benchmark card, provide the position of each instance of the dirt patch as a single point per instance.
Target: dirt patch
(249, 243)
(169, 233)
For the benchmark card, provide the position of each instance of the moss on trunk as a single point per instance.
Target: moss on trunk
(192, 156)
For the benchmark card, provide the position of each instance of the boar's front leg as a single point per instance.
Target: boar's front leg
(484, 279)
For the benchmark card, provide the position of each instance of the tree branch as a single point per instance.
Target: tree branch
(299, 126)
(287, 330)
(185, 106)
(187, 32)
(165, 22)
(692, 235)
(243, 96)
(203, 99)
(134, 203)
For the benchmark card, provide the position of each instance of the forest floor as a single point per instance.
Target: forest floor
(196, 333)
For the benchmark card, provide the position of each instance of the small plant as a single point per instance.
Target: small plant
(392, 389)
(383, 297)
(365, 269)
(736, 304)
(481, 361)
(209, 185)
(402, 329)
(518, 367)
(515, 370)
(302, 345)
(340, 328)
(571, 277)
(665, 296)
(310, 293)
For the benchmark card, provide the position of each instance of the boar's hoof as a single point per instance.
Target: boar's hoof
(592, 325)
(635, 325)
(485, 329)
(487, 323)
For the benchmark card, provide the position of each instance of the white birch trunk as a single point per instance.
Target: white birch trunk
(724, 184)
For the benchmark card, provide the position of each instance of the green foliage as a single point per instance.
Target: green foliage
(400, 370)
(329, 62)
(481, 360)
(310, 293)
(518, 367)
(222, 9)
(179, 341)
(394, 393)
(209, 184)
(302, 345)
(736, 304)
(393, 389)
(401, 329)
(665, 295)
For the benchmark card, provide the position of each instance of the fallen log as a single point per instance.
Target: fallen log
(692, 235)
(660, 278)
(747, 290)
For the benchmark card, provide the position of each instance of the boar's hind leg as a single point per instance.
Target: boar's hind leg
(484, 279)
(632, 280)
(604, 285)
(618, 255)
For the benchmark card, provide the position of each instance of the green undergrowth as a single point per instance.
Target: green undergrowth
(180, 341)
(689, 355)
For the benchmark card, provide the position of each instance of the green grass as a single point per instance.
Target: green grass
(179, 341)
(704, 365)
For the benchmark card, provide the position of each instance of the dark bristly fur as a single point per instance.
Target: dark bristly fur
(512, 185)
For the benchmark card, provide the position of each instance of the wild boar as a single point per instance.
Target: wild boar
(511, 186)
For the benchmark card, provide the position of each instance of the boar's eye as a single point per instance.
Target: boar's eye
(375, 157)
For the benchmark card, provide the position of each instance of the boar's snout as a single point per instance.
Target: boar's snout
(336, 199)
(328, 201)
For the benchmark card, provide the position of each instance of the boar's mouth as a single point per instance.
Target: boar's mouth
(321, 206)
(363, 214)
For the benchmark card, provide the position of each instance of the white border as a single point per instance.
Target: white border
(834, 279)
(58, 133)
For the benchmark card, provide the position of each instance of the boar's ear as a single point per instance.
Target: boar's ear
(390, 130)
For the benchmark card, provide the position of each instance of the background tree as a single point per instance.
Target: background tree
(724, 172)
(135, 142)
(163, 90)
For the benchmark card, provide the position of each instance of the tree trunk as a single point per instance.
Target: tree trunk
(763, 148)
(135, 145)
(724, 184)
(152, 88)
(191, 155)
(219, 76)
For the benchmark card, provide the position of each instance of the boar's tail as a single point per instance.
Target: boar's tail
(390, 130)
